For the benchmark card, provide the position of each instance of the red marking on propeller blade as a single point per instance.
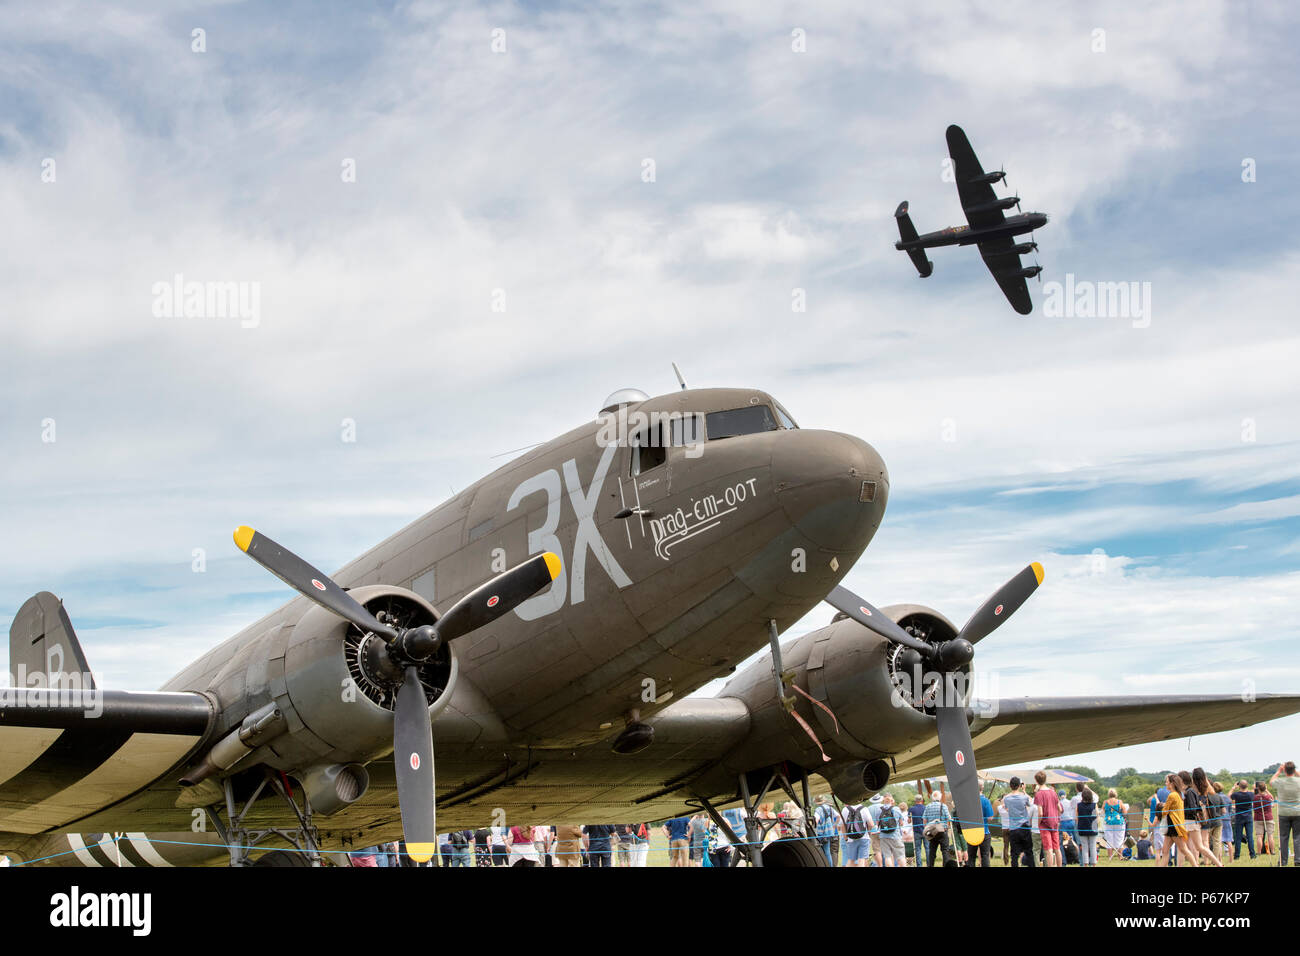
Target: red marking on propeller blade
(961, 759)
(317, 585)
(493, 601)
(865, 611)
(997, 610)
(415, 761)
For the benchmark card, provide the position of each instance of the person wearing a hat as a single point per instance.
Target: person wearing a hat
(937, 819)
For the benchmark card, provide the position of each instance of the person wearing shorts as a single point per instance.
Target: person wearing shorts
(857, 845)
(888, 833)
(678, 831)
(1049, 819)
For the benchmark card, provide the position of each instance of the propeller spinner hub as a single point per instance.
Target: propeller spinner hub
(418, 644)
(956, 653)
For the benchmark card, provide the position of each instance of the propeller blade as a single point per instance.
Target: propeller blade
(308, 581)
(959, 764)
(1005, 601)
(502, 594)
(842, 599)
(413, 761)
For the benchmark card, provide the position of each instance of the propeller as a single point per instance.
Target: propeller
(407, 648)
(948, 657)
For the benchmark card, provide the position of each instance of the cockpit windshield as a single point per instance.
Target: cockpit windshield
(740, 421)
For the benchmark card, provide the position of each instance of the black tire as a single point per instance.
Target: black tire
(792, 852)
(282, 858)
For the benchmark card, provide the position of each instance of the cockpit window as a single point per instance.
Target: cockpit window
(740, 421)
(784, 416)
(649, 450)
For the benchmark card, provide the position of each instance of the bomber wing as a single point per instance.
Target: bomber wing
(1004, 263)
(977, 198)
(1032, 730)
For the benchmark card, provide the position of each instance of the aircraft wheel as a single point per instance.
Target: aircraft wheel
(282, 858)
(794, 852)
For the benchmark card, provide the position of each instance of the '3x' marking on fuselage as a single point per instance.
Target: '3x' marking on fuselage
(572, 578)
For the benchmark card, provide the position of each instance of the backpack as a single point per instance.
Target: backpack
(854, 825)
(888, 819)
(825, 819)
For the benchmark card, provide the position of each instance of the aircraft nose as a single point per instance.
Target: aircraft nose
(832, 486)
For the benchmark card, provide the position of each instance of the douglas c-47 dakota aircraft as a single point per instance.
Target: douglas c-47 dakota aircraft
(988, 226)
(650, 551)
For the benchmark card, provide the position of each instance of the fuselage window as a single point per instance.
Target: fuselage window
(749, 420)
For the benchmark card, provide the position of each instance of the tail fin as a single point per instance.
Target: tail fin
(907, 233)
(42, 641)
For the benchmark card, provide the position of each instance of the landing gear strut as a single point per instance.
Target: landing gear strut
(242, 841)
(797, 851)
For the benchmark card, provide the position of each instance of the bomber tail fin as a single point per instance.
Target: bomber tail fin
(42, 642)
(907, 234)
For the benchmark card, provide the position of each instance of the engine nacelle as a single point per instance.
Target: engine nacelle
(868, 682)
(330, 687)
(1021, 248)
(993, 205)
(870, 709)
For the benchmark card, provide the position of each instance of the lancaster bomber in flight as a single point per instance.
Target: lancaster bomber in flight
(987, 226)
(537, 636)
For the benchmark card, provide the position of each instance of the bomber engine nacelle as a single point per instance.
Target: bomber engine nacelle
(1021, 248)
(993, 205)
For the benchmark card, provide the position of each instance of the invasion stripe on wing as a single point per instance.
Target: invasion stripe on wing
(71, 781)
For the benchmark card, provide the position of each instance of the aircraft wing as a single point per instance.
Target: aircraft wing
(965, 167)
(66, 754)
(1034, 730)
(1004, 264)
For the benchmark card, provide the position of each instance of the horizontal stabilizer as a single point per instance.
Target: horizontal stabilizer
(907, 234)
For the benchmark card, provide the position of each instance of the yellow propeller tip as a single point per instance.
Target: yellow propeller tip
(1038, 571)
(553, 565)
(244, 537)
(421, 852)
(974, 835)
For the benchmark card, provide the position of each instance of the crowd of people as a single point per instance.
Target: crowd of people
(1189, 820)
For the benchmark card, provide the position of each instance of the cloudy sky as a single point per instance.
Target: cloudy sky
(386, 173)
